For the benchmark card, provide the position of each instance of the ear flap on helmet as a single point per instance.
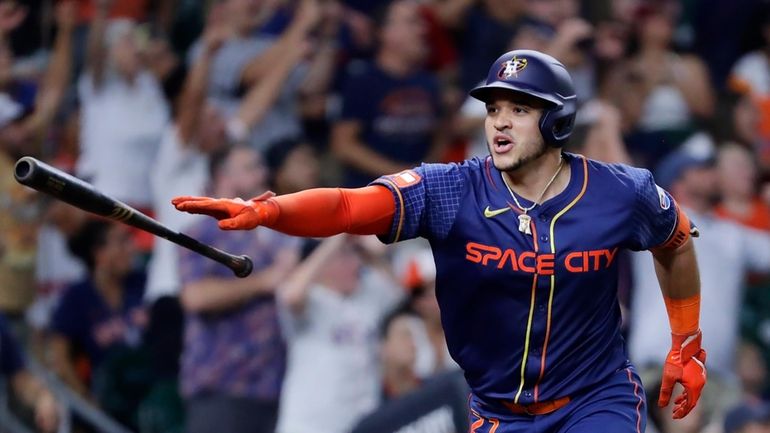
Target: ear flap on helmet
(557, 123)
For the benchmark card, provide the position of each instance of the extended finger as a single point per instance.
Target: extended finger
(187, 198)
(666, 388)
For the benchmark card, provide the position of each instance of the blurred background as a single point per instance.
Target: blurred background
(106, 329)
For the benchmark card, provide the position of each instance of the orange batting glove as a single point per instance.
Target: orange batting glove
(233, 214)
(685, 364)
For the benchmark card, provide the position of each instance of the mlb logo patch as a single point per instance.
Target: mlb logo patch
(406, 178)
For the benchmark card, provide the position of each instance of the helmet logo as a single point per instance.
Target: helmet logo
(512, 67)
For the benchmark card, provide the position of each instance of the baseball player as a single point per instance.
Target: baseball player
(525, 243)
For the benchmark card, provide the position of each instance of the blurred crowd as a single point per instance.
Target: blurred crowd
(148, 100)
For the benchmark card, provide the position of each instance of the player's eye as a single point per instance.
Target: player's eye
(520, 109)
(491, 109)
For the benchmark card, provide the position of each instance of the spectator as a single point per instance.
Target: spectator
(234, 357)
(30, 390)
(738, 181)
(102, 314)
(391, 108)
(198, 130)
(398, 352)
(420, 282)
(752, 372)
(123, 112)
(724, 266)
(751, 76)
(294, 166)
(26, 113)
(332, 315)
(660, 93)
(246, 57)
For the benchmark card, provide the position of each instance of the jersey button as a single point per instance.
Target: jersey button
(544, 218)
(527, 394)
(544, 238)
(541, 307)
(536, 351)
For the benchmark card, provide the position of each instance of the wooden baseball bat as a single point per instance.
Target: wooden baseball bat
(60, 185)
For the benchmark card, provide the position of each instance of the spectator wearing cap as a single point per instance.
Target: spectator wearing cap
(748, 419)
(726, 251)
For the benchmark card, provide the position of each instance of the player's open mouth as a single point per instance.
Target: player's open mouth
(502, 143)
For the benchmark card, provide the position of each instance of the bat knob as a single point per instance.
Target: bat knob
(242, 266)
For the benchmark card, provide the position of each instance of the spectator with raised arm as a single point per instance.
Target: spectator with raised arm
(123, 112)
(199, 129)
(332, 310)
(234, 356)
(246, 57)
(26, 114)
(391, 108)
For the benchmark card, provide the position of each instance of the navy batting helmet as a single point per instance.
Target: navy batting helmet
(541, 76)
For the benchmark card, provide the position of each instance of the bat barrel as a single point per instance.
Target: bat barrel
(42, 177)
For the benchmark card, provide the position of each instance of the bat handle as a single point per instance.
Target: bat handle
(241, 266)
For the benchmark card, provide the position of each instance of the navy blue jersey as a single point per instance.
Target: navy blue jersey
(531, 317)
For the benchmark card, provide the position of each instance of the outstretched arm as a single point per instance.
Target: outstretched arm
(317, 212)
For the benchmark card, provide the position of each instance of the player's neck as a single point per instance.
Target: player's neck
(530, 180)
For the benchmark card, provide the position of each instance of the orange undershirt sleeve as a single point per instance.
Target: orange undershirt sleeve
(324, 212)
(683, 314)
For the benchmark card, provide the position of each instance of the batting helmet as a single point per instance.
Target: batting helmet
(541, 76)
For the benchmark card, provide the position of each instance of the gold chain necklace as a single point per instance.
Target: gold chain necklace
(524, 219)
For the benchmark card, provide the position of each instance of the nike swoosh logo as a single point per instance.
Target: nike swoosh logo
(489, 213)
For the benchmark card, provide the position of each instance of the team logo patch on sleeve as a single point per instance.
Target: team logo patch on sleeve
(665, 202)
(405, 178)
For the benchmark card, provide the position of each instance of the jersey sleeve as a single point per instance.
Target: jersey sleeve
(655, 216)
(427, 201)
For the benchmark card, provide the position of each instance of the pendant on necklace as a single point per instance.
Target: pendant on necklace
(524, 220)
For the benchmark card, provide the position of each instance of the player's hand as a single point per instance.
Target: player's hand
(685, 364)
(232, 213)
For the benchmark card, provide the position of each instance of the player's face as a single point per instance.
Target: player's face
(512, 128)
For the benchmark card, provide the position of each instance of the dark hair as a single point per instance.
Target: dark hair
(402, 309)
(91, 236)
(218, 158)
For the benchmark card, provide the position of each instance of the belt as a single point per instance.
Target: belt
(539, 408)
